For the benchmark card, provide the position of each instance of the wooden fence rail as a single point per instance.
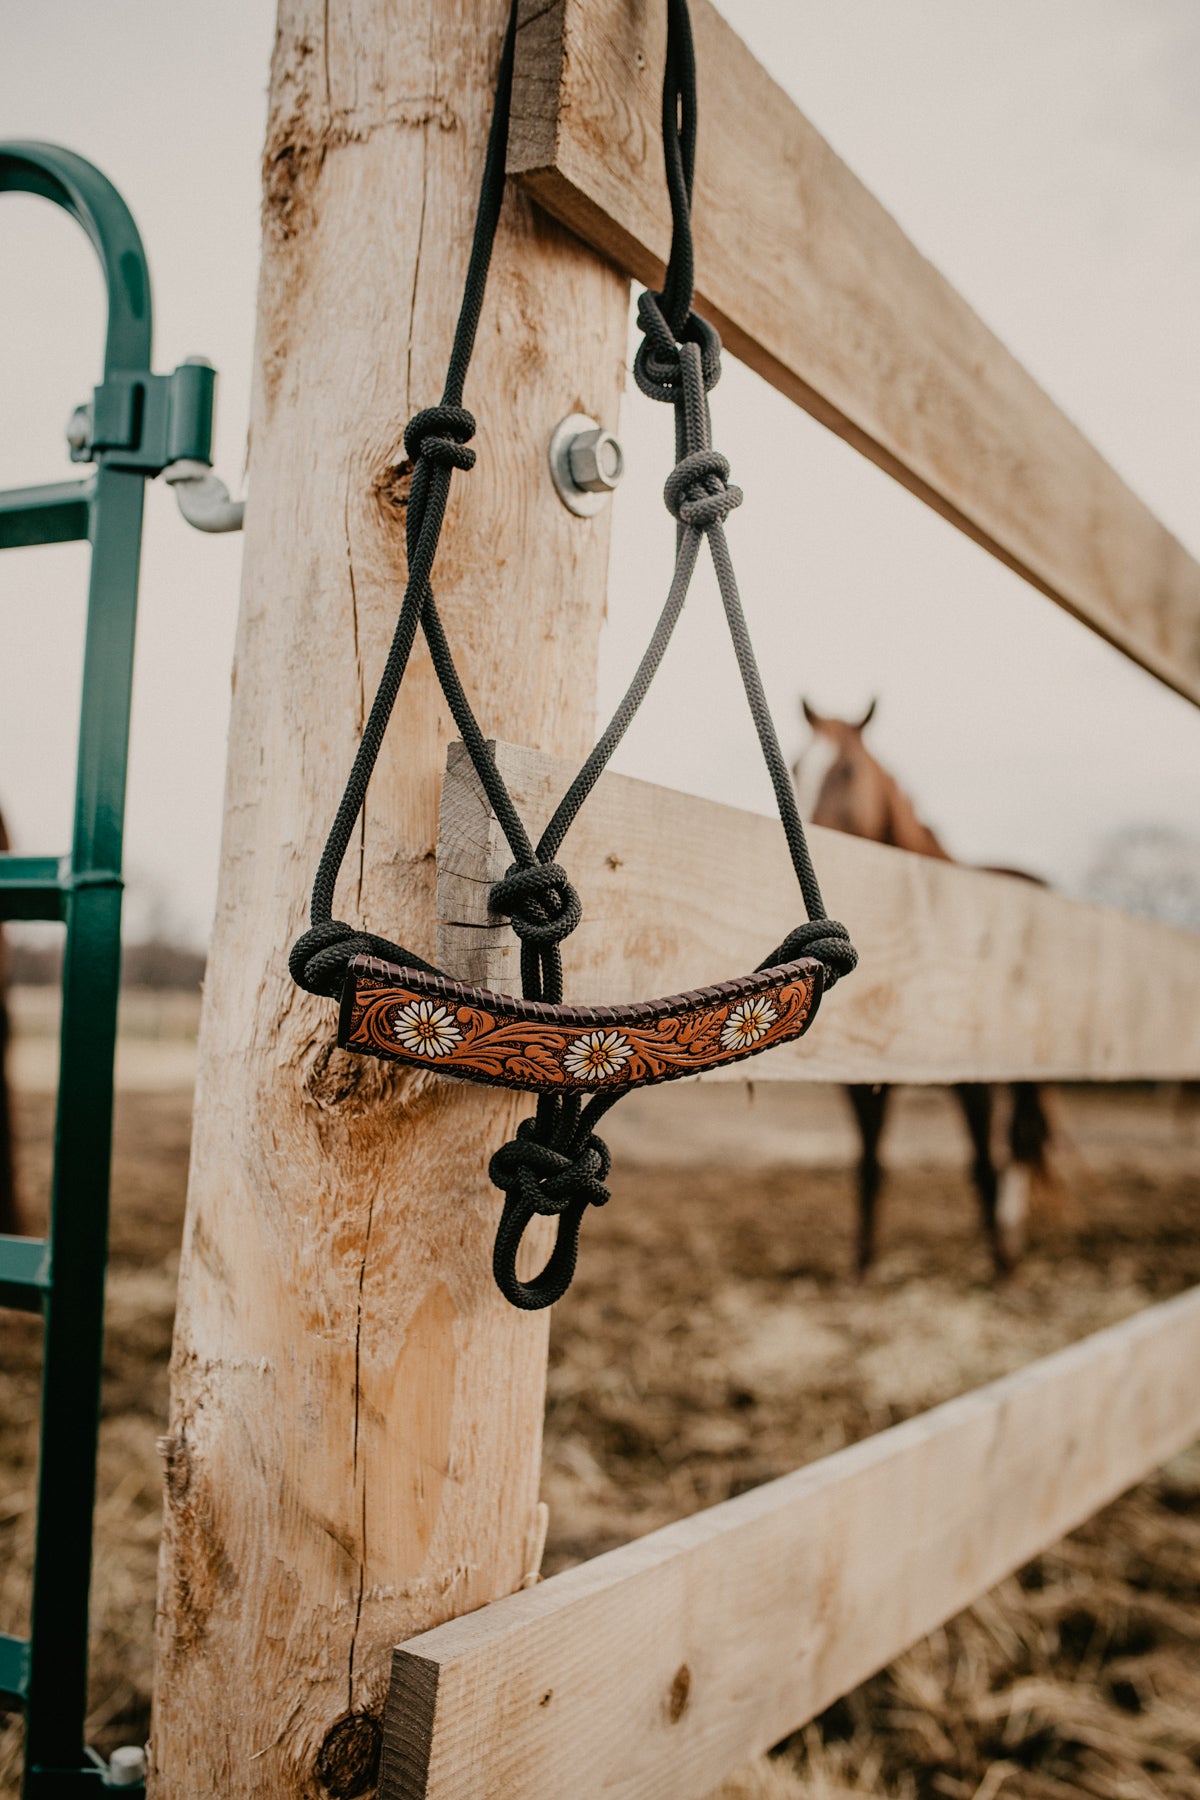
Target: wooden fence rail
(964, 975)
(652, 1672)
(813, 284)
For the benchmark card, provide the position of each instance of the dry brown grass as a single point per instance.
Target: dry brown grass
(712, 1342)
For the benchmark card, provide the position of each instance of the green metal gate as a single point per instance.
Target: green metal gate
(137, 425)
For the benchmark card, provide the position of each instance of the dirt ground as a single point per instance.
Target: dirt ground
(713, 1340)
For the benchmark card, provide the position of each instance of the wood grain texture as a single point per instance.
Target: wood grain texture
(963, 975)
(813, 284)
(353, 1450)
(652, 1672)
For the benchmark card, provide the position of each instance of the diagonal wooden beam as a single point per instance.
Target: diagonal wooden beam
(814, 284)
(652, 1672)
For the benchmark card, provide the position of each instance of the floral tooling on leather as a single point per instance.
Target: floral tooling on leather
(414, 1017)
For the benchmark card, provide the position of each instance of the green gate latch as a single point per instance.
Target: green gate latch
(145, 422)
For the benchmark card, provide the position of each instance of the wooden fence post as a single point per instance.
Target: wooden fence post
(356, 1414)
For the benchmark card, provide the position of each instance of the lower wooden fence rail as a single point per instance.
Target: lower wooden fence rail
(658, 1668)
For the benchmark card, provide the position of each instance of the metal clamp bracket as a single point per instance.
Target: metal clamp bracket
(141, 421)
(160, 425)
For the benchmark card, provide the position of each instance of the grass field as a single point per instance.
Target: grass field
(713, 1340)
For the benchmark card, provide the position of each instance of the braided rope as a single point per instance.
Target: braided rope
(556, 1166)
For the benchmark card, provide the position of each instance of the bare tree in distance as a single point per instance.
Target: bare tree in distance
(1150, 869)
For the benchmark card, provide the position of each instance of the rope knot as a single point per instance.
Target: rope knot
(656, 365)
(698, 491)
(547, 1180)
(440, 434)
(320, 957)
(825, 939)
(538, 901)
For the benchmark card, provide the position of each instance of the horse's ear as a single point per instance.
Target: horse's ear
(810, 713)
(867, 716)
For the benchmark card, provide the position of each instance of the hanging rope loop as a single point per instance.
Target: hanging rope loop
(538, 901)
(656, 365)
(440, 434)
(555, 1167)
(698, 492)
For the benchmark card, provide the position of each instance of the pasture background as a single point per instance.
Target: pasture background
(713, 1340)
(1046, 159)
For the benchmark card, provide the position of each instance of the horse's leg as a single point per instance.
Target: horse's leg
(976, 1100)
(870, 1109)
(1028, 1137)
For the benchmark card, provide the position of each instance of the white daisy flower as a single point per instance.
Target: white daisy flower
(748, 1022)
(597, 1054)
(426, 1028)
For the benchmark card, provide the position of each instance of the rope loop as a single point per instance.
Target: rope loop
(319, 959)
(656, 365)
(440, 434)
(825, 939)
(697, 491)
(539, 902)
(541, 1179)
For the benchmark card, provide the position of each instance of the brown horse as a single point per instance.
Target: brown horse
(840, 784)
(10, 1218)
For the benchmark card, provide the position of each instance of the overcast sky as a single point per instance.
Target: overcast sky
(1047, 158)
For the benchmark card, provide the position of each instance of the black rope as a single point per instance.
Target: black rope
(556, 1166)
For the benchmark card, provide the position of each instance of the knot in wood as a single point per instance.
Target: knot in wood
(347, 1764)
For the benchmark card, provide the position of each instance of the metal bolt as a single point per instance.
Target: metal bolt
(586, 463)
(79, 429)
(596, 461)
(126, 1767)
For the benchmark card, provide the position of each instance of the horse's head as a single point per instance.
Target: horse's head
(838, 781)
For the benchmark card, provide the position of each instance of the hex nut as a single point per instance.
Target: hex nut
(596, 461)
(586, 463)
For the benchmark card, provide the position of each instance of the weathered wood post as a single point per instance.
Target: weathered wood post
(356, 1414)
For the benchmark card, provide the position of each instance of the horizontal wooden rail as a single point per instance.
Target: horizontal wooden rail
(657, 1669)
(813, 284)
(964, 975)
